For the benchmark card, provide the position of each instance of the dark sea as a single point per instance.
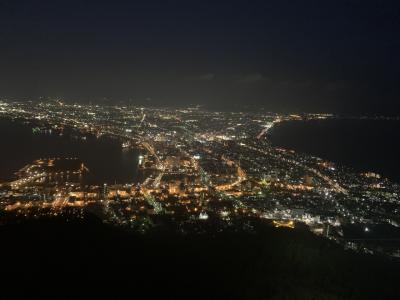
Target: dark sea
(363, 145)
(106, 160)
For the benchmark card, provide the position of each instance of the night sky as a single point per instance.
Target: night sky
(291, 56)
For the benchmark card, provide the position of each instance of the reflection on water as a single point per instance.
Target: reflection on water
(104, 157)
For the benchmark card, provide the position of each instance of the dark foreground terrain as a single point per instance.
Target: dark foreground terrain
(88, 258)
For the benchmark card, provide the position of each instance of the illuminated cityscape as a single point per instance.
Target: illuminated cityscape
(198, 167)
(183, 149)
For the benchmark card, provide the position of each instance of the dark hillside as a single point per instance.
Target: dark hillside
(57, 258)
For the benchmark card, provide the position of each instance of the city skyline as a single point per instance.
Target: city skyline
(192, 164)
(200, 149)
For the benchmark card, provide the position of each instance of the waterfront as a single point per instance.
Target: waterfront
(212, 166)
(364, 145)
(106, 160)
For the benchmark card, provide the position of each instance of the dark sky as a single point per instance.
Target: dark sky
(304, 55)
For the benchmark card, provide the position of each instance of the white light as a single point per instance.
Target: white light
(203, 216)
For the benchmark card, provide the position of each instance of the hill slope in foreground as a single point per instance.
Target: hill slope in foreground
(85, 256)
